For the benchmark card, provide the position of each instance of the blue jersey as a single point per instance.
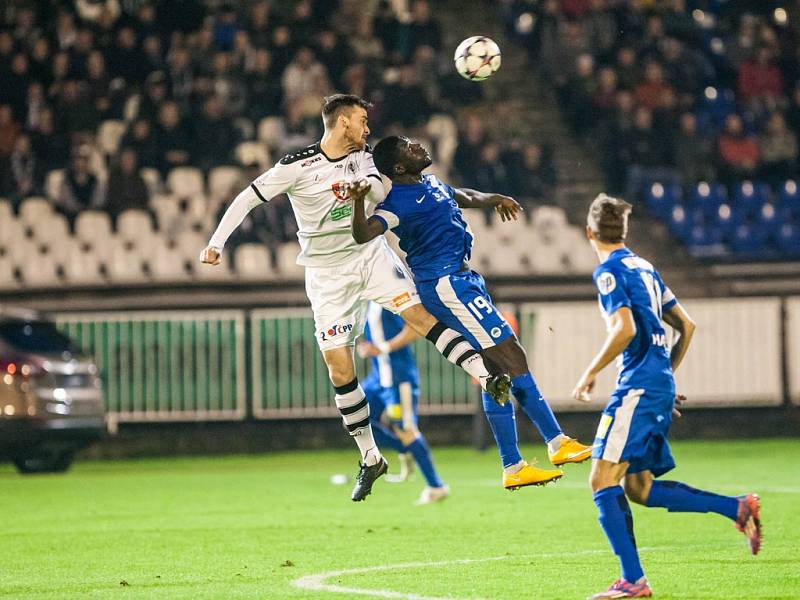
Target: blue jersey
(399, 366)
(625, 279)
(431, 228)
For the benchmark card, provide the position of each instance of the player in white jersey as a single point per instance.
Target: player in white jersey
(341, 275)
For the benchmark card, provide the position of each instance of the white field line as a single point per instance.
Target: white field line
(576, 485)
(318, 582)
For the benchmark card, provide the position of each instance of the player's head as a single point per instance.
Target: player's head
(607, 222)
(395, 156)
(347, 114)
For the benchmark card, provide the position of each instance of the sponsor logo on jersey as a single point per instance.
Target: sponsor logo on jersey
(606, 283)
(310, 161)
(340, 191)
(351, 167)
(402, 299)
(335, 330)
(496, 331)
(341, 212)
(660, 339)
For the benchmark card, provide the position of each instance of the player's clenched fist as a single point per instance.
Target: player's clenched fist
(359, 189)
(211, 255)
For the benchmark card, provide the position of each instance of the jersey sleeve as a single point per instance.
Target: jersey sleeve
(386, 214)
(611, 292)
(668, 299)
(278, 180)
(368, 171)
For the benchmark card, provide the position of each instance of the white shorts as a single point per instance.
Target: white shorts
(340, 294)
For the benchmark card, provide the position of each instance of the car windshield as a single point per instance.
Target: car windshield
(35, 336)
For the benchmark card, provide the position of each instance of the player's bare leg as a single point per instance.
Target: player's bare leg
(457, 350)
(353, 406)
(510, 357)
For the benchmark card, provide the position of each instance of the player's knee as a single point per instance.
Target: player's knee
(637, 490)
(341, 374)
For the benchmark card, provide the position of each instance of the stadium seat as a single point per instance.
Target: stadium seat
(270, 131)
(705, 242)
(124, 263)
(53, 233)
(152, 179)
(727, 219)
(82, 265)
(769, 219)
(661, 199)
(576, 253)
(545, 259)
(788, 240)
(52, 183)
(749, 197)
(7, 279)
(34, 210)
(287, 266)
(789, 192)
(204, 272)
(252, 262)
(549, 218)
(168, 211)
(223, 183)
(189, 244)
(39, 270)
(94, 228)
(109, 135)
(249, 153)
(186, 182)
(748, 242)
(443, 131)
(708, 197)
(165, 262)
(135, 226)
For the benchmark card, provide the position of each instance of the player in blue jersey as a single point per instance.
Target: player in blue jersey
(425, 214)
(631, 441)
(392, 389)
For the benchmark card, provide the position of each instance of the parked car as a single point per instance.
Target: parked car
(51, 398)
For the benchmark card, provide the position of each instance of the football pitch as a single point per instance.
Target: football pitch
(274, 527)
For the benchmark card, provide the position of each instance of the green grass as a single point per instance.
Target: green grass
(246, 527)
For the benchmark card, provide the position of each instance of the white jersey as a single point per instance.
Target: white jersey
(317, 189)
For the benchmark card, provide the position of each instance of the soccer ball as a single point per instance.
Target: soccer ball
(477, 58)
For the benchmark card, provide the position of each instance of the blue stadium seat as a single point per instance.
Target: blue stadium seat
(749, 242)
(726, 219)
(769, 218)
(749, 197)
(789, 201)
(661, 199)
(788, 240)
(681, 222)
(706, 242)
(708, 197)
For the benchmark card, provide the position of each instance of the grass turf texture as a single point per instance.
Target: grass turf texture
(246, 527)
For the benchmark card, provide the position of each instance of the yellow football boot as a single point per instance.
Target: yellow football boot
(571, 451)
(530, 475)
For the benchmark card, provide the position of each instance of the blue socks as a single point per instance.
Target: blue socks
(504, 427)
(679, 497)
(530, 399)
(617, 521)
(422, 455)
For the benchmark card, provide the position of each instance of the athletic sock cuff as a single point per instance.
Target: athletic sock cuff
(608, 492)
(435, 332)
(347, 387)
(523, 381)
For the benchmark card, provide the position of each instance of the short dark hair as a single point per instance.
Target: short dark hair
(332, 106)
(385, 155)
(608, 219)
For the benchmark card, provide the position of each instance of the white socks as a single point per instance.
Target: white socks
(352, 405)
(554, 444)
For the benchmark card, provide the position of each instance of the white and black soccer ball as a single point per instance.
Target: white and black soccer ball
(477, 58)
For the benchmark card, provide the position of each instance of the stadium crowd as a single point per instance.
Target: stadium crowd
(676, 91)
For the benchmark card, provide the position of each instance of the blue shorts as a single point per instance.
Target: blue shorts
(387, 399)
(460, 301)
(634, 428)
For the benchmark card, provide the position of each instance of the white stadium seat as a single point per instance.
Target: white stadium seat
(222, 183)
(7, 279)
(82, 265)
(252, 262)
(186, 182)
(167, 209)
(39, 269)
(34, 210)
(124, 263)
(109, 135)
(165, 262)
(152, 179)
(53, 232)
(270, 131)
(93, 227)
(248, 153)
(135, 226)
(287, 261)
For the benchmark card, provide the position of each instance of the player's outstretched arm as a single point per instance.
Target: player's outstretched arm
(363, 229)
(677, 318)
(246, 201)
(621, 331)
(506, 207)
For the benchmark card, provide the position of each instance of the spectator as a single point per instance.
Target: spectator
(228, 86)
(50, 145)
(225, 27)
(645, 156)
(468, 151)
(778, 151)
(363, 43)
(9, 131)
(126, 188)
(653, 90)
(216, 137)
(738, 152)
(76, 114)
(25, 169)
(760, 80)
(298, 132)
(604, 98)
(305, 82)
(180, 74)
(264, 92)
(126, 60)
(405, 102)
(173, 138)
(626, 67)
(80, 190)
(423, 30)
(532, 176)
(334, 54)
(98, 84)
(693, 154)
(143, 141)
(578, 93)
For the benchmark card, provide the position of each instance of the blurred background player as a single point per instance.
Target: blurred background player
(631, 440)
(392, 389)
(425, 215)
(342, 276)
